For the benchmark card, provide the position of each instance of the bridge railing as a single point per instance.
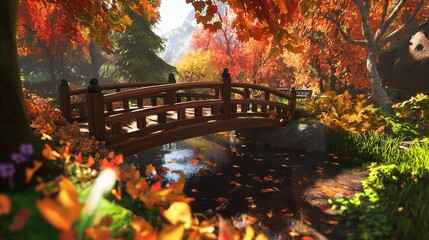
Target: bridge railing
(73, 105)
(183, 104)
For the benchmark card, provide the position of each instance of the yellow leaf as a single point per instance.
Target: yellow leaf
(249, 234)
(172, 232)
(179, 212)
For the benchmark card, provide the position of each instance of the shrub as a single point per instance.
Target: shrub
(344, 112)
(409, 118)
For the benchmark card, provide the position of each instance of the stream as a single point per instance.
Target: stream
(285, 191)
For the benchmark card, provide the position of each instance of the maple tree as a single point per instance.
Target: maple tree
(251, 61)
(370, 25)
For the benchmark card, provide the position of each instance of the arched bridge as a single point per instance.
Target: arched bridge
(153, 114)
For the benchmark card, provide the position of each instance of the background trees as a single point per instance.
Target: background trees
(135, 58)
(370, 25)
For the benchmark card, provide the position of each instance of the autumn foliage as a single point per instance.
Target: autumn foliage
(344, 112)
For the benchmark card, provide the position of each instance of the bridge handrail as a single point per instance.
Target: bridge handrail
(135, 93)
(117, 86)
(263, 88)
(65, 94)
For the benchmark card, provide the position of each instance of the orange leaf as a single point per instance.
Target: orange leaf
(29, 172)
(90, 161)
(155, 187)
(150, 169)
(19, 220)
(226, 232)
(5, 204)
(48, 153)
(266, 190)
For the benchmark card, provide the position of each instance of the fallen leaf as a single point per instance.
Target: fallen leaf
(238, 175)
(268, 178)
(235, 166)
(150, 169)
(266, 190)
(256, 178)
(222, 199)
(195, 161)
(307, 238)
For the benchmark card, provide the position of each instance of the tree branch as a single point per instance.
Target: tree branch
(382, 30)
(403, 26)
(346, 37)
(383, 15)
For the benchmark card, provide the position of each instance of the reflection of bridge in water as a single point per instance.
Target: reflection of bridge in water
(153, 114)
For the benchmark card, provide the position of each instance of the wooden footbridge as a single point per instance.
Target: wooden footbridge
(132, 117)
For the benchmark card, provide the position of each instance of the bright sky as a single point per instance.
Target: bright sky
(173, 12)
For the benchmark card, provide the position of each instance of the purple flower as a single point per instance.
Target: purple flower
(7, 170)
(18, 158)
(26, 149)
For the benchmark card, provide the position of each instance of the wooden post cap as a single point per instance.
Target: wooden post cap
(171, 78)
(93, 86)
(225, 73)
(64, 83)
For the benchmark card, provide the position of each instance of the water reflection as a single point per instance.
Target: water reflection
(232, 175)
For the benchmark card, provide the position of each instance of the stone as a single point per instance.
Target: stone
(300, 113)
(308, 135)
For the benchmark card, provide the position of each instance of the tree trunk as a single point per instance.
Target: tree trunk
(14, 124)
(378, 93)
(95, 63)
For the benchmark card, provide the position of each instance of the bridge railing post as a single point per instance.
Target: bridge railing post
(95, 110)
(64, 99)
(226, 94)
(292, 103)
(171, 93)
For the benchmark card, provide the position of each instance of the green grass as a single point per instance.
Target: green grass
(394, 201)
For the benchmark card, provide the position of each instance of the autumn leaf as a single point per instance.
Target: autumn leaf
(48, 153)
(226, 232)
(150, 169)
(222, 200)
(172, 232)
(267, 190)
(143, 230)
(19, 220)
(29, 172)
(179, 212)
(5, 204)
(91, 161)
(64, 210)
